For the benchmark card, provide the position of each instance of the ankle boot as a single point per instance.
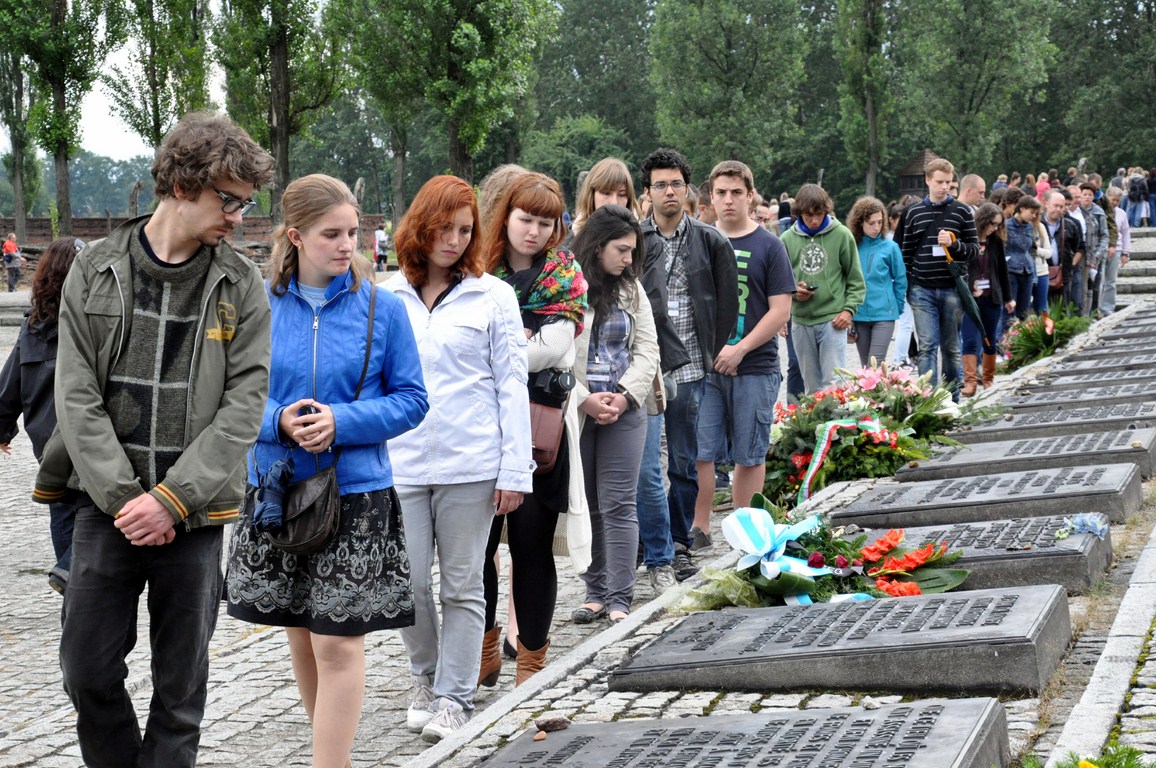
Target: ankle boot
(988, 370)
(969, 381)
(529, 662)
(491, 665)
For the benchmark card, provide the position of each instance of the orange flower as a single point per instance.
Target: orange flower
(911, 560)
(872, 553)
(898, 588)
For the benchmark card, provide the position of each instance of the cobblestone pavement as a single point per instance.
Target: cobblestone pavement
(253, 718)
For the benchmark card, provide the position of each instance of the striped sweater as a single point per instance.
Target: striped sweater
(916, 240)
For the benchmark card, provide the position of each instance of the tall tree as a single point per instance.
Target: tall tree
(573, 145)
(67, 43)
(281, 67)
(971, 69)
(473, 58)
(15, 103)
(599, 64)
(865, 102)
(167, 76)
(716, 63)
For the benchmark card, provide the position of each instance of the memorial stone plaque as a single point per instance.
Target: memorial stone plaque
(984, 641)
(1077, 364)
(1042, 398)
(928, 733)
(1143, 329)
(1135, 446)
(1018, 552)
(1113, 490)
(1097, 379)
(1073, 421)
(1117, 348)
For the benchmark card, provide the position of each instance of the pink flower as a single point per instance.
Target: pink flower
(816, 560)
(869, 378)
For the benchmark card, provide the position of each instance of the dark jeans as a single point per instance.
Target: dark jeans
(973, 338)
(682, 451)
(13, 278)
(530, 534)
(795, 386)
(61, 518)
(107, 577)
(1023, 285)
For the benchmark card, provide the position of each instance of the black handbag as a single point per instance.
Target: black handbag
(313, 505)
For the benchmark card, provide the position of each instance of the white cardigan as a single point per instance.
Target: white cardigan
(553, 347)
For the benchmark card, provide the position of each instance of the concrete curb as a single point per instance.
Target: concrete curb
(1096, 713)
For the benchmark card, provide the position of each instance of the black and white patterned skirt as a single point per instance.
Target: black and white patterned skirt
(358, 583)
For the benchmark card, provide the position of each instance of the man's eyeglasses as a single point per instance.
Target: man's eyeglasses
(230, 204)
(660, 186)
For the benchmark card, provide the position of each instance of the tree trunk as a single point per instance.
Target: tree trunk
(279, 107)
(60, 163)
(18, 135)
(398, 145)
(461, 164)
(872, 144)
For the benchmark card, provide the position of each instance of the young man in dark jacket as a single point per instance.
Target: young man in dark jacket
(164, 370)
(696, 265)
(937, 226)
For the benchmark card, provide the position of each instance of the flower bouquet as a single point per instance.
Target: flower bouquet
(1038, 336)
(786, 562)
(870, 425)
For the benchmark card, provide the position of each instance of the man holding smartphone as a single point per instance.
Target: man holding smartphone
(829, 286)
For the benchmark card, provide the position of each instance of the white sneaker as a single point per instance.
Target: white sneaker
(421, 703)
(448, 717)
(661, 578)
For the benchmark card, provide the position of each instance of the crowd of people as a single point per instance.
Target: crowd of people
(567, 391)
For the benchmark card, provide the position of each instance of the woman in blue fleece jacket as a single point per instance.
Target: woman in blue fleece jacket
(319, 293)
(886, 278)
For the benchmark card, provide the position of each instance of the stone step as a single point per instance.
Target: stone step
(1143, 285)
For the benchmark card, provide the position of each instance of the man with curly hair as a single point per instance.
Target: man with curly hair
(164, 363)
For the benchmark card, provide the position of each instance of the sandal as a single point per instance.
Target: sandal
(584, 614)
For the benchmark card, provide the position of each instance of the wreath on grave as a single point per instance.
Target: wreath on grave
(869, 425)
(786, 561)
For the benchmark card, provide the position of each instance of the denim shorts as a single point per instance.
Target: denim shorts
(735, 417)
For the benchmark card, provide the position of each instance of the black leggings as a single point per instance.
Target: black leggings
(530, 534)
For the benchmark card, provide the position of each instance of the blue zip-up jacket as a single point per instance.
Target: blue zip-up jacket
(886, 278)
(318, 354)
(1019, 247)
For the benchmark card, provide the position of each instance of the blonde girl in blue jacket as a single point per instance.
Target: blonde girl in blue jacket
(327, 601)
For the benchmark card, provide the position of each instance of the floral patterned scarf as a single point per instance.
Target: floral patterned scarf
(551, 289)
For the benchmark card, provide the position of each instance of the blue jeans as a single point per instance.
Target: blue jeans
(795, 386)
(821, 349)
(1040, 296)
(653, 507)
(972, 338)
(938, 313)
(1023, 284)
(1135, 211)
(107, 577)
(61, 518)
(1074, 287)
(682, 450)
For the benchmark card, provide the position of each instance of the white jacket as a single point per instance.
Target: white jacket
(473, 358)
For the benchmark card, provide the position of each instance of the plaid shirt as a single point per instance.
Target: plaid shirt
(678, 290)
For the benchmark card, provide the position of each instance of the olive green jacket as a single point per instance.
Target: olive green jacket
(229, 382)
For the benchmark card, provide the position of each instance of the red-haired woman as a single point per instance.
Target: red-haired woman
(26, 386)
(520, 246)
(470, 457)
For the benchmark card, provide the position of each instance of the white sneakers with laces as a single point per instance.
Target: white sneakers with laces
(421, 704)
(448, 716)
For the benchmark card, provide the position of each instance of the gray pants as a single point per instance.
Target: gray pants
(454, 519)
(872, 340)
(611, 458)
(1111, 267)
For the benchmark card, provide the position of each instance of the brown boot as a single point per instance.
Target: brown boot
(491, 658)
(969, 381)
(988, 370)
(529, 662)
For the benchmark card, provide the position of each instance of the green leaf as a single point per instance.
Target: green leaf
(935, 580)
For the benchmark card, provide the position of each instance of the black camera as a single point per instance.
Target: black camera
(551, 387)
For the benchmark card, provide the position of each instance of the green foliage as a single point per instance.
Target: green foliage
(599, 65)
(1112, 757)
(715, 65)
(167, 75)
(865, 101)
(1032, 339)
(571, 146)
